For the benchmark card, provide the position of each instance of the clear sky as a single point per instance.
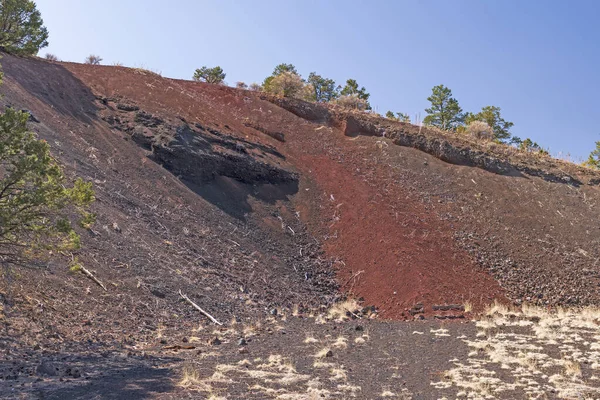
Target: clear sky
(537, 60)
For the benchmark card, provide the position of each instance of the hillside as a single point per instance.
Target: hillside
(254, 206)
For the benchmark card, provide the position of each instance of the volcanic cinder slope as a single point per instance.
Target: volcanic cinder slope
(246, 202)
(203, 179)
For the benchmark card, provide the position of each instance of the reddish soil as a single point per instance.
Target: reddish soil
(406, 256)
(396, 259)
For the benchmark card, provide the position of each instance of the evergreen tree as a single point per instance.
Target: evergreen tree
(593, 160)
(445, 113)
(324, 89)
(22, 29)
(210, 75)
(35, 203)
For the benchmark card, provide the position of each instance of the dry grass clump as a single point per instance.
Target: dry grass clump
(468, 306)
(359, 340)
(310, 339)
(344, 310)
(353, 102)
(145, 71)
(340, 343)
(338, 374)
(324, 352)
(51, 57)
(572, 368)
(190, 378)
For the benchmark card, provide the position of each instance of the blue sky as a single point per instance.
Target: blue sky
(537, 60)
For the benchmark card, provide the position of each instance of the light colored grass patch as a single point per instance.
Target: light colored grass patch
(310, 339)
(340, 343)
(339, 311)
(531, 345)
(324, 352)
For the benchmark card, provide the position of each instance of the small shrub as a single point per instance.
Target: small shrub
(480, 130)
(530, 146)
(398, 116)
(93, 59)
(353, 101)
(34, 201)
(255, 87)
(241, 85)
(51, 57)
(288, 84)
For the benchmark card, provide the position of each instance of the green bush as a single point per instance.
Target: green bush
(593, 160)
(36, 205)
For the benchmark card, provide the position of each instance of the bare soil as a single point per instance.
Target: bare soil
(249, 203)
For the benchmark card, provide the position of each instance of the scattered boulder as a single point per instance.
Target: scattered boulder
(49, 368)
(127, 107)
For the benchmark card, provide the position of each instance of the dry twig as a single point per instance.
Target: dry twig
(197, 307)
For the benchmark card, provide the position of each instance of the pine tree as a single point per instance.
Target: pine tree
(22, 29)
(324, 89)
(593, 160)
(210, 75)
(445, 113)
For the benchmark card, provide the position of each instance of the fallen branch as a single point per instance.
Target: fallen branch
(197, 307)
(92, 277)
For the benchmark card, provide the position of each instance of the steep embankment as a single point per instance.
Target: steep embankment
(231, 196)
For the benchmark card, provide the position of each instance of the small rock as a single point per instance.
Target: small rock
(359, 328)
(273, 311)
(243, 350)
(215, 342)
(127, 107)
(329, 354)
(31, 117)
(242, 342)
(48, 368)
